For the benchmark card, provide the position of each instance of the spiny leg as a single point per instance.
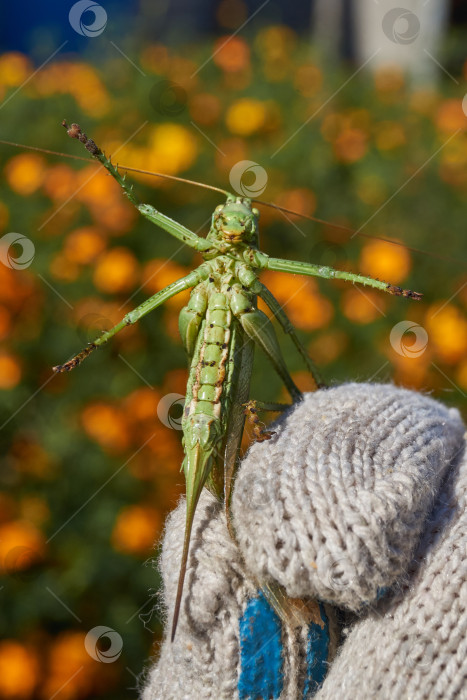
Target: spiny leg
(258, 327)
(173, 227)
(251, 409)
(153, 302)
(288, 328)
(302, 268)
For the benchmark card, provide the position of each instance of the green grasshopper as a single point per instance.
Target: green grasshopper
(220, 327)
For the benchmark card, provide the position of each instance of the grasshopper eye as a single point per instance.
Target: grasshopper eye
(219, 208)
(255, 212)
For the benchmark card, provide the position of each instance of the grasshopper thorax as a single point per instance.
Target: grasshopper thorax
(235, 222)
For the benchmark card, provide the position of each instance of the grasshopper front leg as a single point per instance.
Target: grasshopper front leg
(202, 272)
(149, 212)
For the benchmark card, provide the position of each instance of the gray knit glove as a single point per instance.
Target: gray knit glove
(357, 502)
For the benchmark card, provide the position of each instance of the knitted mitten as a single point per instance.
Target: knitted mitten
(352, 503)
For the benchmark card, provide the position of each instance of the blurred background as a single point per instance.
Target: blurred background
(354, 112)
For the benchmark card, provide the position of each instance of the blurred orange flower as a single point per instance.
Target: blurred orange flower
(446, 326)
(19, 670)
(245, 116)
(362, 305)
(136, 529)
(60, 182)
(28, 457)
(205, 108)
(159, 273)
(71, 672)
(450, 116)
(84, 244)
(141, 405)
(308, 79)
(64, 269)
(10, 371)
(390, 263)
(389, 82)
(300, 298)
(328, 346)
(107, 425)
(300, 200)
(231, 53)
(155, 58)
(21, 545)
(350, 145)
(116, 271)
(25, 172)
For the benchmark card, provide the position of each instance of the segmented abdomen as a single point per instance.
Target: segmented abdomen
(208, 370)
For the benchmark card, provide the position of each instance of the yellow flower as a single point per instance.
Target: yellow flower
(172, 148)
(245, 116)
(388, 262)
(14, 69)
(19, 671)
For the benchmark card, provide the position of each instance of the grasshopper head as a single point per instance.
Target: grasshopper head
(236, 221)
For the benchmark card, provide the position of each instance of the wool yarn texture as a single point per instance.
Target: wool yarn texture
(357, 502)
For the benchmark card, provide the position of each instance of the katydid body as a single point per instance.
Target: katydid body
(219, 327)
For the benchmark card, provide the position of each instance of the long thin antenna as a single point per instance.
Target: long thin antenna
(186, 181)
(121, 167)
(348, 229)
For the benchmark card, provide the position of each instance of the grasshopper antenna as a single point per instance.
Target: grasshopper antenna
(204, 185)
